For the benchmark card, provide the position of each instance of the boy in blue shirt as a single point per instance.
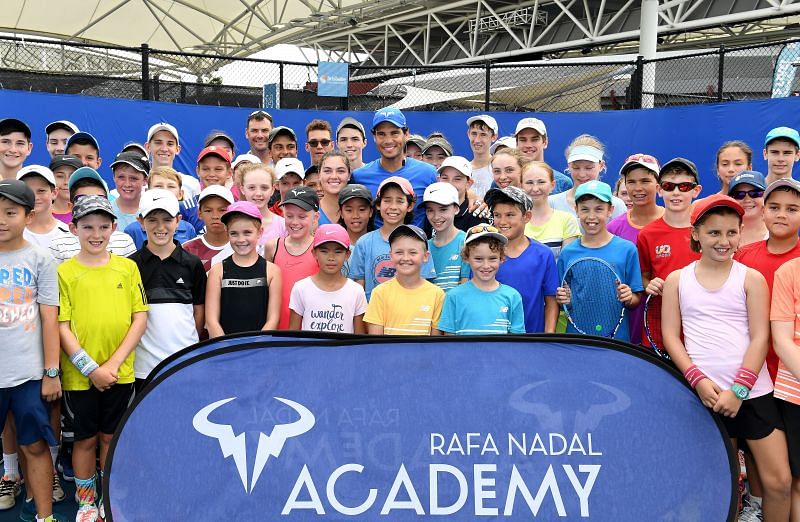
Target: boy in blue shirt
(594, 206)
(530, 267)
(441, 205)
(483, 305)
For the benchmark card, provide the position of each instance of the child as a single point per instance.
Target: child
(85, 147)
(334, 175)
(294, 255)
(441, 205)
(733, 157)
(29, 351)
(102, 317)
(621, 191)
(507, 165)
(43, 228)
(243, 292)
(57, 133)
(257, 186)
(282, 143)
(174, 282)
(130, 176)
(640, 172)
(407, 304)
(594, 207)
(165, 178)
(351, 138)
(371, 263)
(290, 174)
(162, 146)
(457, 171)
(529, 266)
(531, 138)
(311, 179)
(748, 187)
(483, 305)
(482, 130)
(355, 209)
(554, 229)
(62, 167)
(781, 151)
(213, 168)
(328, 301)
(15, 146)
(212, 246)
(436, 149)
(721, 308)
(414, 146)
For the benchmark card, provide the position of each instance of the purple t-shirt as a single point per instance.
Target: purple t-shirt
(621, 226)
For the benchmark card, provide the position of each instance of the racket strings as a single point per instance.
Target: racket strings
(595, 307)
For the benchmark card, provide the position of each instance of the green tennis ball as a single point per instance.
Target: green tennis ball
(597, 328)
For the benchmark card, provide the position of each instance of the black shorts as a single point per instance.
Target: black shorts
(92, 411)
(756, 419)
(791, 420)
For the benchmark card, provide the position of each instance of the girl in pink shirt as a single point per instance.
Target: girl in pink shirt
(257, 186)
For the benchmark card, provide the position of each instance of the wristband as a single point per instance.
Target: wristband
(694, 375)
(83, 362)
(746, 378)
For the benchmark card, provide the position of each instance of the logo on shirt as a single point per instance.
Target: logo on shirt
(503, 309)
(119, 286)
(425, 308)
(179, 281)
(453, 257)
(663, 250)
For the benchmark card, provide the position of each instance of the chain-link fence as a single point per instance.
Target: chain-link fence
(724, 74)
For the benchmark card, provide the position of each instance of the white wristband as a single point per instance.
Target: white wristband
(83, 362)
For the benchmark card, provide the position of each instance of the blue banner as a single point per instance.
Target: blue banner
(332, 79)
(271, 97)
(404, 429)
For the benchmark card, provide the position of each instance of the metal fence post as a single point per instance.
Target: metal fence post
(721, 73)
(279, 90)
(488, 101)
(145, 71)
(637, 80)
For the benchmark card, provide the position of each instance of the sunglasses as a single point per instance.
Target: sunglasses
(477, 229)
(642, 158)
(318, 143)
(741, 194)
(683, 186)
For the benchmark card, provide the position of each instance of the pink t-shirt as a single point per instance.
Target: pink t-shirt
(275, 230)
(328, 311)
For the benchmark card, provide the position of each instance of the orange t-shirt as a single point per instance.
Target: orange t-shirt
(786, 307)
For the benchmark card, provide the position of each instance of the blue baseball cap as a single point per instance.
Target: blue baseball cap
(783, 132)
(595, 188)
(83, 136)
(86, 173)
(391, 114)
(749, 177)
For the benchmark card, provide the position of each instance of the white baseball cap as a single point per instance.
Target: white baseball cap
(158, 199)
(37, 170)
(488, 120)
(245, 158)
(460, 163)
(162, 126)
(505, 141)
(216, 190)
(290, 166)
(531, 123)
(441, 193)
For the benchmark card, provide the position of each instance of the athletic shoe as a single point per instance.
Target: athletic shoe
(87, 513)
(9, 491)
(28, 511)
(101, 509)
(751, 511)
(58, 491)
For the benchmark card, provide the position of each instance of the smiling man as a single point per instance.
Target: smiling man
(390, 132)
(15, 146)
(259, 126)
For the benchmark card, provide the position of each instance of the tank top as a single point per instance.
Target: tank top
(293, 269)
(244, 296)
(716, 329)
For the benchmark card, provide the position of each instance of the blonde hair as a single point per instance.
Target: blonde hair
(247, 168)
(522, 161)
(587, 140)
(541, 165)
(165, 172)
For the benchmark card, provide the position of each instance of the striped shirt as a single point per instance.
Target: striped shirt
(786, 308)
(450, 267)
(66, 247)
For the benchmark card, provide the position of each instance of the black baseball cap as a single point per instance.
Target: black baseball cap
(303, 197)
(219, 135)
(277, 131)
(683, 163)
(408, 231)
(61, 160)
(18, 192)
(9, 125)
(134, 146)
(352, 191)
(133, 159)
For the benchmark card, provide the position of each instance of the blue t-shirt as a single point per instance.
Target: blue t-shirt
(563, 182)
(469, 310)
(418, 173)
(371, 262)
(450, 267)
(323, 218)
(533, 274)
(123, 219)
(620, 254)
(183, 233)
(189, 214)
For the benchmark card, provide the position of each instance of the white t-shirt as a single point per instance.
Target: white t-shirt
(60, 230)
(328, 311)
(483, 180)
(190, 186)
(66, 247)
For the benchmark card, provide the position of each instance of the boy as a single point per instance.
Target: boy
(130, 172)
(290, 174)
(63, 166)
(407, 304)
(102, 316)
(162, 147)
(85, 147)
(15, 146)
(212, 246)
(531, 140)
(43, 228)
(436, 150)
(169, 179)
(529, 266)
(594, 203)
(351, 138)
(781, 151)
(213, 168)
(282, 144)
(318, 140)
(58, 132)
(174, 282)
(441, 205)
(29, 351)
(483, 305)
(482, 130)
(414, 146)
(457, 171)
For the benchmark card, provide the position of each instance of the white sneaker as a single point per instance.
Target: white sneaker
(751, 511)
(58, 491)
(9, 491)
(87, 513)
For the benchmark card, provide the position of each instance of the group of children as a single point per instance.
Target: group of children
(395, 247)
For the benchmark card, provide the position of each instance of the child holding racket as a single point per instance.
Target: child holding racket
(599, 272)
(722, 308)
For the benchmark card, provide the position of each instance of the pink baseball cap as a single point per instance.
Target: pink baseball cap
(401, 182)
(241, 207)
(331, 233)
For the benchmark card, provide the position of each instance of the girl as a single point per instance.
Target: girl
(293, 254)
(732, 158)
(621, 191)
(507, 167)
(748, 189)
(257, 182)
(722, 307)
(585, 160)
(328, 301)
(242, 307)
(355, 211)
(334, 175)
(553, 228)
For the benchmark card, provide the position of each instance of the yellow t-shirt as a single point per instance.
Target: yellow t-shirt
(99, 302)
(405, 312)
(560, 227)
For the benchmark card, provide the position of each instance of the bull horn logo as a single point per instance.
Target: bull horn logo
(234, 445)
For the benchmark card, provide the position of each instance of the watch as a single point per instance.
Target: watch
(740, 391)
(52, 372)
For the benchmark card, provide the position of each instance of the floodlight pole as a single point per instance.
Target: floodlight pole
(145, 71)
(648, 36)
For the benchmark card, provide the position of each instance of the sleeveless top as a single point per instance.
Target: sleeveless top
(716, 329)
(244, 296)
(293, 269)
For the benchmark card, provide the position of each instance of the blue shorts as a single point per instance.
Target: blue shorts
(31, 412)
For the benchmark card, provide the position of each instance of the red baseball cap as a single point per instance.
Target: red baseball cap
(717, 200)
(401, 182)
(215, 151)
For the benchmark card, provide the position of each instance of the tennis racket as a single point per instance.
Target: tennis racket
(594, 307)
(652, 325)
